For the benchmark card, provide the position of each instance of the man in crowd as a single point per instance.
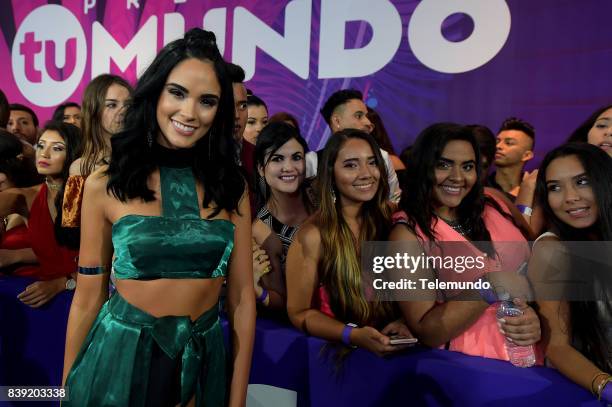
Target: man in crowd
(245, 150)
(515, 144)
(23, 123)
(345, 110)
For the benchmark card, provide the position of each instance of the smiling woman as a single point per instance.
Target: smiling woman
(188, 104)
(283, 205)
(444, 200)
(574, 189)
(325, 291)
(171, 212)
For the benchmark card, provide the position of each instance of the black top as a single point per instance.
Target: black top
(173, 158)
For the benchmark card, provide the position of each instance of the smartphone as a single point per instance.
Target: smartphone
(402, 340)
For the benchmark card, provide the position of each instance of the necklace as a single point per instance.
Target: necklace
(52, 186)
(463, 228)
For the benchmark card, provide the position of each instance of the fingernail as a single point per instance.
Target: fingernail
(501, 320)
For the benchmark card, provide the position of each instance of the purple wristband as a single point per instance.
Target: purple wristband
(606, 393)
(263, 296)
(346, 333)
(487, 294)
(525, 210)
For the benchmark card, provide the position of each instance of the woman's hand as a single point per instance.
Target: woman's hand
(369, 338)
(523, 330)
(261, 266)
(397, 327)
(39, 293)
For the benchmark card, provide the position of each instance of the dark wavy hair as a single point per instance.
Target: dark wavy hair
(20, 170)
(419, 182)
(214, 165)
(271, 138)
(581, 134)
(586, 327)
(71, 134)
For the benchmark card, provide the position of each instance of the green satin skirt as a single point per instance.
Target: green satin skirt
(112, 368)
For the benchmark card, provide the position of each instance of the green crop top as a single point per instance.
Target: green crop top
(178, 244)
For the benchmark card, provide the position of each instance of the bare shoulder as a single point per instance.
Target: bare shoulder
(549, 249)
(401, 231)
(97, 181)
(75, 167)
(547, 242)
(309, 235)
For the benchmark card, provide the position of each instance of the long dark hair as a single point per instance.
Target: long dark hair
(586, 327)
(581, 134)
(19, 169)
(271, 138)
(214, 165)
(339, 268)
(71, 134)
(419, 183)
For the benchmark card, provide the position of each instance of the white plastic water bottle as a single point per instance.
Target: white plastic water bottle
(521, 356)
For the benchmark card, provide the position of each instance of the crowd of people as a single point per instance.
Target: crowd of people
(186, 189)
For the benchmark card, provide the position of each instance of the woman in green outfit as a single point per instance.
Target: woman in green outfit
(172, 205)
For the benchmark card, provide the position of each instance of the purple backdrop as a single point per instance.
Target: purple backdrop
(552, 69)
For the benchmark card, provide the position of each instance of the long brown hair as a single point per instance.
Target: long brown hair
(94, 145)
(339, 267)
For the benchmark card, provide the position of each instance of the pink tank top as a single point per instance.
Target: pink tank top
(483, 337)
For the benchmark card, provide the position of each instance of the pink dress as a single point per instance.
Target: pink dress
(483, 337)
